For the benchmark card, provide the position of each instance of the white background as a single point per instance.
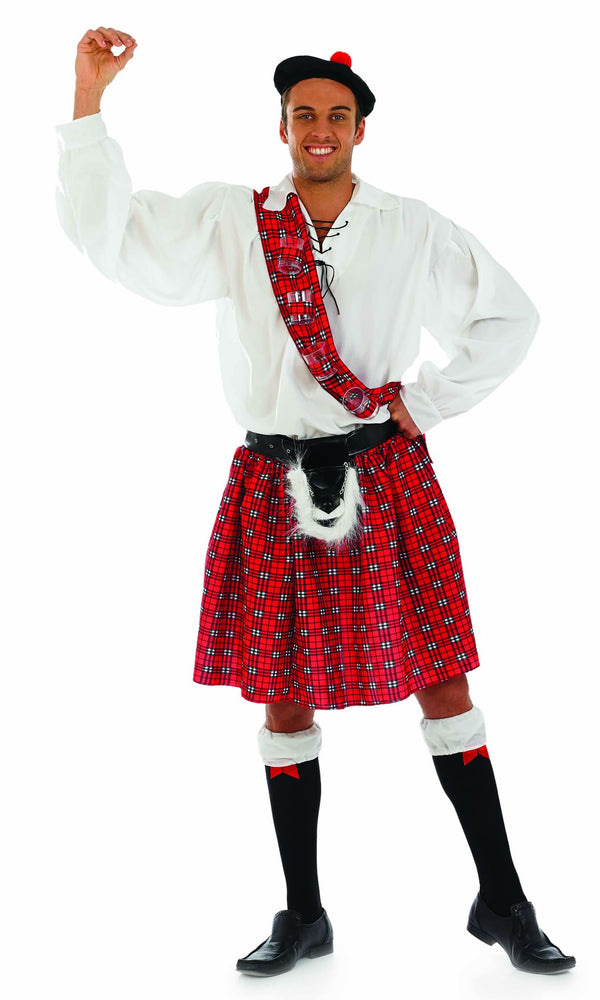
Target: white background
(139, 854)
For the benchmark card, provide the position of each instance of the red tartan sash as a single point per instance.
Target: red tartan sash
(313, 338)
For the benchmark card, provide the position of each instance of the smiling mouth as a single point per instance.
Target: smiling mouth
(320, 150)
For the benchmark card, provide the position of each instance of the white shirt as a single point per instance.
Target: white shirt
(397, 265)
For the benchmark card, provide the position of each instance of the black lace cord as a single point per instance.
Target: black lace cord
(327, 222)
(323, 264)
(324, 275)
(327, 236)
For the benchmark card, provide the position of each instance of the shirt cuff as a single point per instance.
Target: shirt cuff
(81, 131)
(420, 407)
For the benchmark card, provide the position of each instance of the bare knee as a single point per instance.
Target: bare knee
(287, 717)
(440, 701)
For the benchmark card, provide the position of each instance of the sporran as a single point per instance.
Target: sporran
(323, 485)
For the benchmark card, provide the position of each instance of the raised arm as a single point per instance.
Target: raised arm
(165, 248)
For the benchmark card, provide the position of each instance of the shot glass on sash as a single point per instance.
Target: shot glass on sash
(290, 260)
(356, 400)
(319, 361)
(301, 306)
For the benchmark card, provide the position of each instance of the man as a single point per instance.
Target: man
(333, 574)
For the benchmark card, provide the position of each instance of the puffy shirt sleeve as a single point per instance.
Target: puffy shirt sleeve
(482, 319)
(164, 248)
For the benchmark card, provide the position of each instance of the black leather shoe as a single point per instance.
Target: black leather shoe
(290, 940)
(525, 944)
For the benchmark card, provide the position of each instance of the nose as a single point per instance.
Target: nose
(321, 130)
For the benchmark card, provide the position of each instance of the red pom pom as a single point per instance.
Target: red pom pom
(341, 57)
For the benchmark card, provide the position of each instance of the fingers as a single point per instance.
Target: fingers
(406, 427)
(107, 37)
(400, 415)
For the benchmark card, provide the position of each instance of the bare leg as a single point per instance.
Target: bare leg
(445, 699)
(288, 717)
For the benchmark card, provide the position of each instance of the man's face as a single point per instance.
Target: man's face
(321, 131)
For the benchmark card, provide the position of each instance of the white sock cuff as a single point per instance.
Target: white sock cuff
(456, 733)
(281, 749)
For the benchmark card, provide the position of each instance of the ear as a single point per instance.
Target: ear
(282, 132)
(360, 132)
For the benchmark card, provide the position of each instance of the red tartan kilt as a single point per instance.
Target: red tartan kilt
(286, 618)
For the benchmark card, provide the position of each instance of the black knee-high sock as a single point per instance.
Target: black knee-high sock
(468, 781)
(295, 806)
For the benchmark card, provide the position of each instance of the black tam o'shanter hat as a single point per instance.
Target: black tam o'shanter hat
(338, 68)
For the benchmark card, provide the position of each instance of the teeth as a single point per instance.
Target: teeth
(320, 150)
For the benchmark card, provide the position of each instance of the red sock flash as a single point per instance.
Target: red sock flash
(470, 755)
(291, 769)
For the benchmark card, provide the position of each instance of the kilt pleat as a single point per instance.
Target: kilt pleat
(289, 618)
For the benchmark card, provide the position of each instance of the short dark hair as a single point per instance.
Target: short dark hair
(285, 97)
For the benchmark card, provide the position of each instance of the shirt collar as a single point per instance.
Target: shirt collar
(363, 194)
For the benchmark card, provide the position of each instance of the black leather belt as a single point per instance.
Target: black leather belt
(317, 450)
(324, 459)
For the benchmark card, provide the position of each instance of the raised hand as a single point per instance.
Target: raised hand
(95, 64)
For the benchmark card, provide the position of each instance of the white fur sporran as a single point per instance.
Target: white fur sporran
(344, 520)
